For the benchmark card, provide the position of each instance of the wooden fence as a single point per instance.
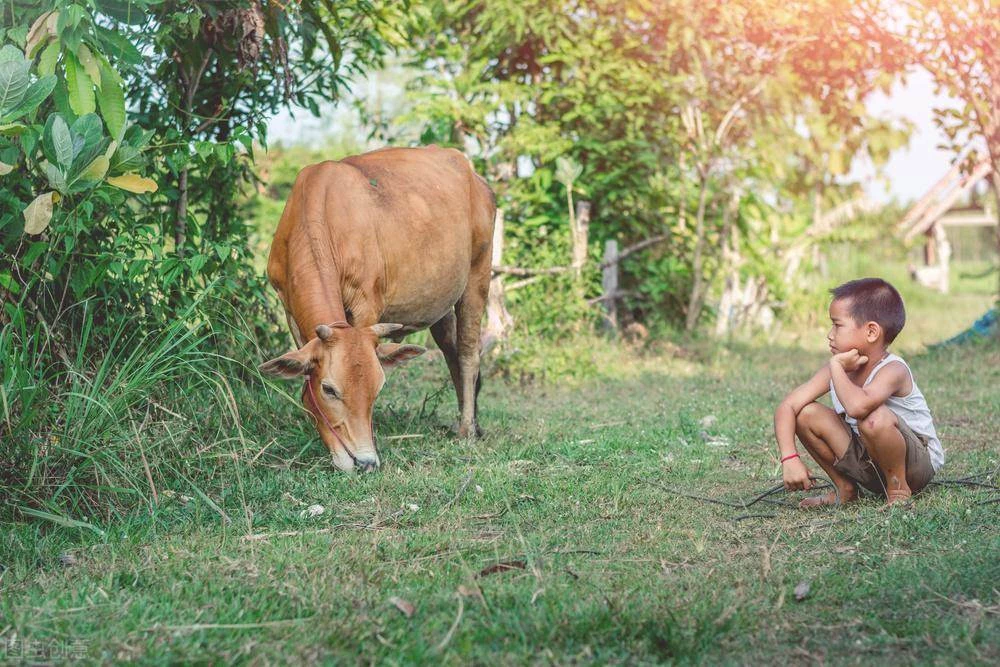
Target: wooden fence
(499, 322)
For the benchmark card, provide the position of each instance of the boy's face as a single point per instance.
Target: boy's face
(846, 334)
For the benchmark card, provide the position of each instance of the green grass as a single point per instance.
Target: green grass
(579, 483)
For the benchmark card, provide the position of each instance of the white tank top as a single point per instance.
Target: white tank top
(912, 408)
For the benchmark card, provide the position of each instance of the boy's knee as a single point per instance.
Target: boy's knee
(877, 422)
(808, 414)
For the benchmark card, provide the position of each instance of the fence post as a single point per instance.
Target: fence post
(609, 284)
(580, 226)
(498, 321)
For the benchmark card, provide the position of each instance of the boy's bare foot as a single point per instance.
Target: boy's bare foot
(828, 499)
(898, 497)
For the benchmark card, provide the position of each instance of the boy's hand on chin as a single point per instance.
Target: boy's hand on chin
(850, 360)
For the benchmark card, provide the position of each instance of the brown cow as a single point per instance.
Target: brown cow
(387, 242)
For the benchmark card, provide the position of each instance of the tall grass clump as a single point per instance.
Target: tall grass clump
(95, 429)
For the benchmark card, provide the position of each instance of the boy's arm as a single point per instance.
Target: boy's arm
(859, 402)
(794, 472)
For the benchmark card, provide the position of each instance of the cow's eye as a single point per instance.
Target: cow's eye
(330, 391)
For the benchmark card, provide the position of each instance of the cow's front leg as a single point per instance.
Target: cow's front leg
(468, 325)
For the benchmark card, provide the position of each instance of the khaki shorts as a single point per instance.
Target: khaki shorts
(858, 466)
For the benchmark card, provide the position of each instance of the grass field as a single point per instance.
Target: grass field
(566, 535)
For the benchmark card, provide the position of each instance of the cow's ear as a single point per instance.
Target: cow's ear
(393, 354)
(293, 364)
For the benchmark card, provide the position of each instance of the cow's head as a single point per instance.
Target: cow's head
(343, 370)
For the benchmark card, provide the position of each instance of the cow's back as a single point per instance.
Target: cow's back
(398, 230)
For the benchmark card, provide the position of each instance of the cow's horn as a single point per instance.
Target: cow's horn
(383, 329)
(324, 332)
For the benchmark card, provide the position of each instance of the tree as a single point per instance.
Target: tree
(958, 42)
(97, 92)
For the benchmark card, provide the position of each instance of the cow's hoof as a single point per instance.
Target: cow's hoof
(465, 433)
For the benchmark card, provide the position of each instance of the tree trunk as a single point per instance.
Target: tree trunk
(180, 223)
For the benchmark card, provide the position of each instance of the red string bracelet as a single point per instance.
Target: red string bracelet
(790, 456)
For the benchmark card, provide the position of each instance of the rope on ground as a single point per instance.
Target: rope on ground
(747, 504)
(969, 481)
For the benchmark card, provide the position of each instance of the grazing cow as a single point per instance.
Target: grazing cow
(373, 245)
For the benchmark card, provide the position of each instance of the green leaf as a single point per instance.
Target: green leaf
(118, 46)
(89, 129)
(13, 82)
(29, 138)
(126, 158)
(8, 283)
(5, 168)
(111, 100)
(61, 98)
(47, 61)
(57, 179)
(124, 11)
(35, 95)
(96, 170)
(90, 64)
(81, 88)
(62, 142)
(11, 54)
(89, 141)
(12, 129)
(71, 18)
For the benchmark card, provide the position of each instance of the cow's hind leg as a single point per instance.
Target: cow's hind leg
(444, 335)
(468, 327)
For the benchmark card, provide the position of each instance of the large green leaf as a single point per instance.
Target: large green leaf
(88, 143)
(89, 129)
(126, 158)
(35, 95)
(10, 54)
(61, 142)
(47, 61)
(57, 179)
(13, 83)
(96, 170)
(111, 100)
(90, 64)
(118, 46)
(125, 11)
(81, 88)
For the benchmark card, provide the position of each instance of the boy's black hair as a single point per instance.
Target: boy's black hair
(874, 300)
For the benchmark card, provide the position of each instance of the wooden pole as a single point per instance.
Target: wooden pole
(580, 224)
(944, 257)
(499, 322)
(609, 283)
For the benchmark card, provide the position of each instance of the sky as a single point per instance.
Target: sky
(911, 171)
